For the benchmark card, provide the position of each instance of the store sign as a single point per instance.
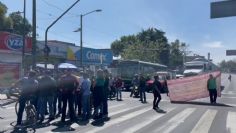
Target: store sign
(96, 56)
(14, 42)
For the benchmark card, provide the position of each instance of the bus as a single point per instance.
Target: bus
(126, 69)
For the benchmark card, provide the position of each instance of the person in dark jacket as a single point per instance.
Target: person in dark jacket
(156, 93)
(68, 85)
(105, 93)
(142, 86)
(98, 94)
(29, 85)
(47, 89)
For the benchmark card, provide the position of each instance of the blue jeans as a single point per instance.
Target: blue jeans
(118, 94)
(86, 105)
(42, 105)
(142, 94)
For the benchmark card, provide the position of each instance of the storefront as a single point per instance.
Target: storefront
(11, 57)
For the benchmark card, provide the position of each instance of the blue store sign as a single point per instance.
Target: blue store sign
(96, 56)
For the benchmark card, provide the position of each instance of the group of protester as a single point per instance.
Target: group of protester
(51, 94)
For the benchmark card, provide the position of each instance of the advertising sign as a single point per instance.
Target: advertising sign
(13, 42)
(10, 72)
(191, 88)
(96, 56)
(58, 49)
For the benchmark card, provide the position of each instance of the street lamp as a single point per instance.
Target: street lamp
(81, 34)
(46, 48)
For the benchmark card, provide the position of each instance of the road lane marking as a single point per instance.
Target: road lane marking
(112, 114)
(120, 119)
(230, 123)
(146, 122)
(171, 124)
(205, 122)
(114, 106)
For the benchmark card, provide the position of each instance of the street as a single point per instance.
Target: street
(130, 115)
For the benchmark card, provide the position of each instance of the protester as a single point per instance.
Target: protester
(156, 93)
(85, 92)
(28, 86)
(98, 95)
(211, 86)
(58, 95)
(229, 77)
(78, 94)
(68, 85)
(105, 93)
(142, 86)
(47, 89)
(118, 89)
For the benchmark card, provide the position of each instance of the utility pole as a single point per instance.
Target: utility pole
(34, 36)
(23, 39)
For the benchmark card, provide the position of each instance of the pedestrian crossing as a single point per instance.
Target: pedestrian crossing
(128, 117)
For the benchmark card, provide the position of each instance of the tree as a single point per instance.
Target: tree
(5, 22)
(176, 53)
(148, 45)
(18, 24)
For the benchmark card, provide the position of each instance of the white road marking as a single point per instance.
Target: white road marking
(205, 122)
(146, 122)
(171, 124)
(120, 119)
(230, 123)
(114, 106)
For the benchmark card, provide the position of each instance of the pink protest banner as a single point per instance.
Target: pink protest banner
(191, 88)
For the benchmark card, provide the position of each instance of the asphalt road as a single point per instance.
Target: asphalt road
(130, 115)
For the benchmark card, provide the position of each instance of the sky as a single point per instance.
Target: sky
(186, 20)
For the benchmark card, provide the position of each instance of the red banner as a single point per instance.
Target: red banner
(10, 72)
(13, 42)
(191, 88)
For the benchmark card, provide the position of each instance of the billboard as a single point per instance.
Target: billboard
(95, 56)
(221, 9)
(10, 73)
(14, 43)
(191, 88)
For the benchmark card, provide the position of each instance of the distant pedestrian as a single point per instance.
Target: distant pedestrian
(118, 89)
(211, 86)
(156, 93)
(229, 77)
(142, 86)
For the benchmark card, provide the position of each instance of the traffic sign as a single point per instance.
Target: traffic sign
(221, 9)
(230, 52)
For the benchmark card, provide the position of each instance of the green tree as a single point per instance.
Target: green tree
(5, 22)
(18, 24)
(148, 45)
(176, 53)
